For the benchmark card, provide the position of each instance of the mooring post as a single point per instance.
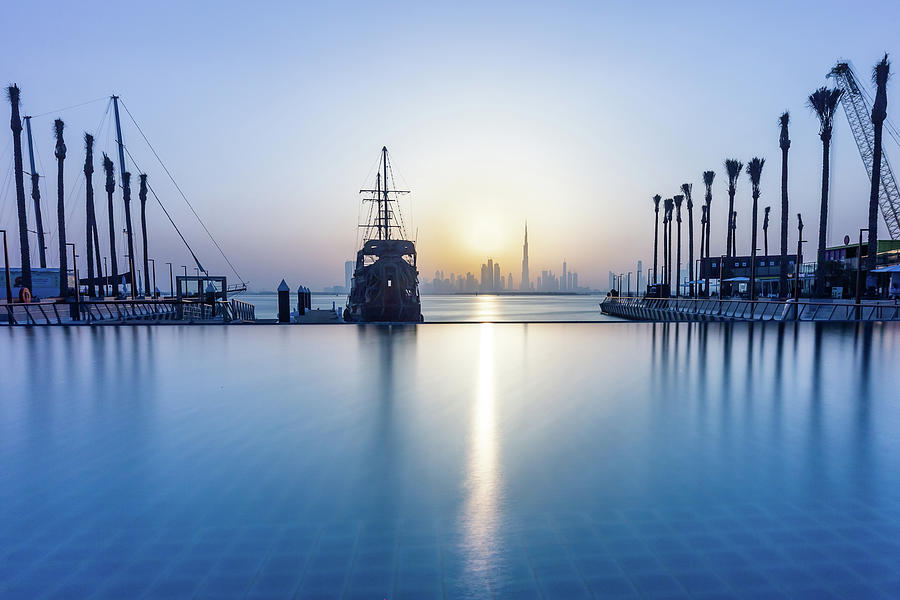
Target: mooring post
(308, 299)
(284, 302)
(301, 300)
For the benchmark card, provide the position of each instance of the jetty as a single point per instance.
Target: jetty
(724, 309)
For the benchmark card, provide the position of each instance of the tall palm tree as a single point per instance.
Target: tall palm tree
(89, 210)
(670, 204)
(824, 103)
(734, 233)
(656, 199)
(766, 231)
(879, 114)
(110, 188)
(686, 190)
(733, 168)
(36, 199)
(702, 237)
(126, 196)
(60, 153)
(754, 170)
(785, 143)
(679, 199)
(708, 177)
(15, 123)
(142, 196)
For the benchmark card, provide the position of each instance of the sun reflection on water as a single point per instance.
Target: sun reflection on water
(481, 514)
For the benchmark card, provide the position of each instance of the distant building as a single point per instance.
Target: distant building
(348, 275)
(525, 284)
(640, 269)
(498, 285)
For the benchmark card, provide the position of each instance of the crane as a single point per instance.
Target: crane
(857, 107)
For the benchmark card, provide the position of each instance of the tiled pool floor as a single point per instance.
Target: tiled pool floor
(463, 461)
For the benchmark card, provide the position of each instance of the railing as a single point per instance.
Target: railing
(714, 309)
(124, 311)
(64, 313)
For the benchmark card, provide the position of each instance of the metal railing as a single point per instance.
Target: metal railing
(715, 309)
(124, 311)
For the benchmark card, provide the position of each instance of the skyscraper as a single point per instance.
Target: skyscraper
(490, 275)
(525, 284)
(348, 274)
(640, 268)
(498, 285)
(563, 283)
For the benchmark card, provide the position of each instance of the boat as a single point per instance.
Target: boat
(385, 283)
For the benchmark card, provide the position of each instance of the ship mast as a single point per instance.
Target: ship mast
(381, 196)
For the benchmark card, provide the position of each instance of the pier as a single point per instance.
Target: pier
(717, 309)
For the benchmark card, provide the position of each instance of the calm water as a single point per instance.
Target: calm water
(460, 308)
(451, 461)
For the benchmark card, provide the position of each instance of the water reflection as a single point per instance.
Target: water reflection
(481, 513)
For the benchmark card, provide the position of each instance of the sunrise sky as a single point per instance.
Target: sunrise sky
(570, 115)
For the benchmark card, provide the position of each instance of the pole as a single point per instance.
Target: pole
(387, 212)
(153, 291)
(185, 270)
(76, 308)
(115, 100)
(106, 278)
(6, 264)
(797, 262)
(858, 270)
(171, 282)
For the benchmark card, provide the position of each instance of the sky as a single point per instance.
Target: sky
(271, 116)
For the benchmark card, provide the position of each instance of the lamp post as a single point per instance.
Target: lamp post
(171, 281)
(185, 269)
(6, 264)
(106, 278)
(858, 271)
(77, 306)
(153, 291)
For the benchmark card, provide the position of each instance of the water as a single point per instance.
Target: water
(465, 308)
(450, 461)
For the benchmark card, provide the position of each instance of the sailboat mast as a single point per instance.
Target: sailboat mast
(387, 219)
(36, 196)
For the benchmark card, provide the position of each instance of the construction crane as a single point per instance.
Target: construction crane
(857, 107)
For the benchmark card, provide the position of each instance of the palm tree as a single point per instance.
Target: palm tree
(708, 177)
(686, 190)
(110, 188)
(678, 200)
(702, 237)
(766, 231)
(89, 209)
(754, 170)
(15, 123)
(785, 142)
(656, 200)
(142, 196)
(734, 233)
(670, 203)
(879, 114)
(126, 196)
(824, 103)
(733, 167)
(60, 153)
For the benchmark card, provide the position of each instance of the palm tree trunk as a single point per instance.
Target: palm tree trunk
(61, 211)
(126, 196)
(89, 210)
(110, 188)
(708, 227)
(872, 259)
(678, 258)
(753, 247)
(690, 208)
(729, 242)
(782, 269)
(15, 123)
(665, 277)
(669, 272)
(823, 220)
(142, 195)
(655, 242)
(38, 219)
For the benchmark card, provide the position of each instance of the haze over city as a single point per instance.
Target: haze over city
(271, 118)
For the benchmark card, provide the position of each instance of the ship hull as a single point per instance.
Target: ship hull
(385, 286)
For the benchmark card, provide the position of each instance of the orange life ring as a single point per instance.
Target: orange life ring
(25, 295)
